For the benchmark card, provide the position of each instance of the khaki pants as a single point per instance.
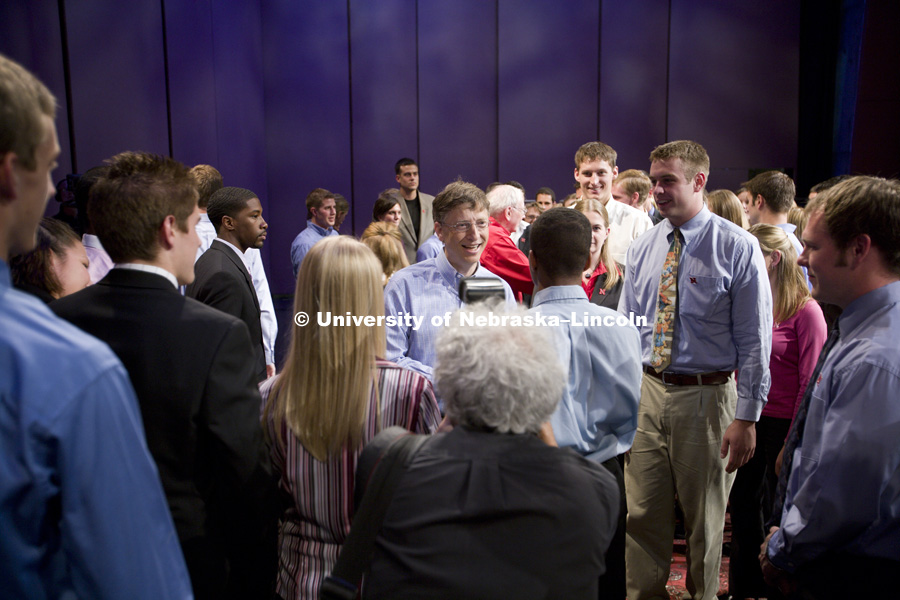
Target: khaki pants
(676, 450)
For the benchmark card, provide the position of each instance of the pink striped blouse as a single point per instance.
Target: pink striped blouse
(313, 529)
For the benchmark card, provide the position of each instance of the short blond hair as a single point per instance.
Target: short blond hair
(694, 158)
(23, 101)
(594, 151)
(634, 181)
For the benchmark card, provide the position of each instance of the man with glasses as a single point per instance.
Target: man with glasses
(422, 295)
(501, 256)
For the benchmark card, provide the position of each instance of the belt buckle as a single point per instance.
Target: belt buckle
(662, 377)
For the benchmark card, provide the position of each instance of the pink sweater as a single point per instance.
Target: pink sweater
(796, 344)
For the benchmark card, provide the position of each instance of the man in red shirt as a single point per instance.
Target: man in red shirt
(501, 256)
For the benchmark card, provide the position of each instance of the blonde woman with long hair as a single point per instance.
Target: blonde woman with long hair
(798, 335)
(603, 279)
(728, 206)
(333, 395)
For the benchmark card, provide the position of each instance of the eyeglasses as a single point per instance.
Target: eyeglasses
(465, 226)
(521, 209)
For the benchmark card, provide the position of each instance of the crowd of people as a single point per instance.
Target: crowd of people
(649, 352)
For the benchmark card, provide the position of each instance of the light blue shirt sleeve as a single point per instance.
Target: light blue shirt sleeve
(84, 511)
(431, 248)
(116, 527)
(409, 344)
(843, 493)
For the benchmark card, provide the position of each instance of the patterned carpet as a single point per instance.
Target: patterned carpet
(678, 574)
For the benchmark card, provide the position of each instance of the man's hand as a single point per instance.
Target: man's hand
(775, 577)
(270, 371)
(740, 437)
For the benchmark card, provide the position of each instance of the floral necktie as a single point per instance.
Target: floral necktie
(666, 307)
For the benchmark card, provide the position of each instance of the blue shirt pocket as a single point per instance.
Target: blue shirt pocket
(702, 296)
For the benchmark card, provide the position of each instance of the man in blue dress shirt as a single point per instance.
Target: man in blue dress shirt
(423, 294)
(321, 210)
(692, 417)
(772, 196)
(83, 511)
(597, 416)
(840, 526)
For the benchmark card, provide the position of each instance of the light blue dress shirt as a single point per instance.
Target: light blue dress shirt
(305, 240)
(844, 490)
(430, 248)
(724, 319)
(84, 514)
(425, 290)
(597, 415)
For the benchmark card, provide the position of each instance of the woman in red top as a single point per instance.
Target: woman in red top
(602, 281)
(797, 338)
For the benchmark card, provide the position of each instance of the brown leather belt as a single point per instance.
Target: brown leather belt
(715, 378)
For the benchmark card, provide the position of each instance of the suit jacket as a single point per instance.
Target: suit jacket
(411, 242)
(221, 280)
(194, 377)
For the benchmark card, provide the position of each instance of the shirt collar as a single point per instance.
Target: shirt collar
(789, 227)
(237, 251)
(149, 269)
(559, 292)
(692, 228)
(449, 273)
(204, 218)
(495, 223)
(861, 308)
(91, 241)
(321, 230)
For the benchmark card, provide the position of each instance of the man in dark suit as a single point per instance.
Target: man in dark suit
(193, 371)
(416, 221)
(222, 278)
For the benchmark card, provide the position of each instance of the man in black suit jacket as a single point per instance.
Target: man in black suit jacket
(192, 370)
(222, 278)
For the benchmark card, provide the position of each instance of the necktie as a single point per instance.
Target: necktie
(795, 435)
(666, 304)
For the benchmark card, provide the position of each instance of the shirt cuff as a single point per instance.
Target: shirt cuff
(748, 409)
(775, 552)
